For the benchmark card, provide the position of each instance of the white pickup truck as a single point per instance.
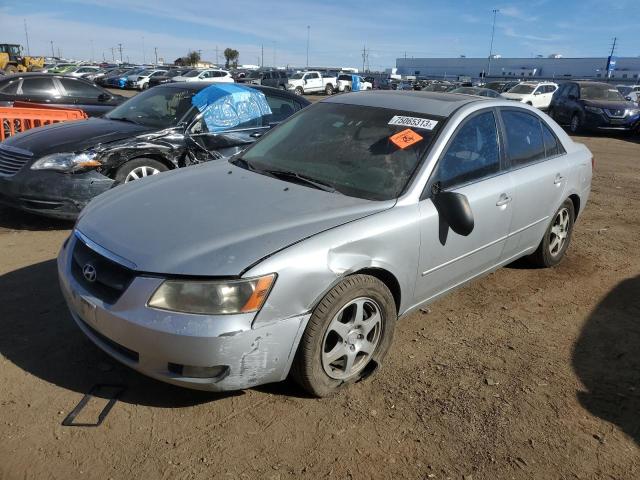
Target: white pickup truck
(311, 82)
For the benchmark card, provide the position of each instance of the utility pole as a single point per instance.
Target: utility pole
(144, 56)
(274, 55)
(262, 56)
(364, 55)
(217, 63)
(53, 54)
(155, 50)
(308, 34)
(493, 31)
(26, 34)
(120, 48)
(613, 50)
(113, 54)
(92, 59)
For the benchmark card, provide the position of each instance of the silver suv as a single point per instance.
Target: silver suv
(300, 255)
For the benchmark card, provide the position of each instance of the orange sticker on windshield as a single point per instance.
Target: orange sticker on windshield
(405, 138)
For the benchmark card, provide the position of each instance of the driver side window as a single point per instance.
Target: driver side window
(472, 154)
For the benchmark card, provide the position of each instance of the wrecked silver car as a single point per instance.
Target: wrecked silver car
(304, 250)
(56, 170)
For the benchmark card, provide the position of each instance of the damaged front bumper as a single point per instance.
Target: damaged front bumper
(53, 194)
(203, 352)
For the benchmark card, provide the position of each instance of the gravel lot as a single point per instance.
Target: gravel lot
(523, 374)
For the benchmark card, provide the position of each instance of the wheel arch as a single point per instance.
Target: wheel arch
(386, 277)
(575, 199)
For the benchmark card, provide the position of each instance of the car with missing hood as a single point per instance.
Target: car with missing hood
(298, 255)
(55, 170)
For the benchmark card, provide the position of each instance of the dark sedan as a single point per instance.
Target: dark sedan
(58, 90)
(166, 78)
(593, 106)
(56, 170)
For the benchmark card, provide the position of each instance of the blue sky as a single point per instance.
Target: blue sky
(338, 32)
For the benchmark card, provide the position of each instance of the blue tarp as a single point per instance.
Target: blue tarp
(355, 83)
(229, 105)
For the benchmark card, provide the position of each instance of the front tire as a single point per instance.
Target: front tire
(139, 168)
(576, 125)
(556, 239)
(348, 335)
(299, 91)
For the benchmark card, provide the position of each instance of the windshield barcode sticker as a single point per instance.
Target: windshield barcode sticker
(414, 122)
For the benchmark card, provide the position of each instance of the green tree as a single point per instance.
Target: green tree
(192, 58)
(231, 56)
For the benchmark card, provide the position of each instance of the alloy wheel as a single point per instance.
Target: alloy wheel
(559, 232)
(351, 338)
(140, 172)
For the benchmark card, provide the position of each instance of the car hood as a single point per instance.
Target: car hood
(610, 104)
(213, 219)
(74, 136)
(515, 96)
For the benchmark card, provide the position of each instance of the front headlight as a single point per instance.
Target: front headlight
(631, 112)
(67, 162)
(597, 110)
(216, 297)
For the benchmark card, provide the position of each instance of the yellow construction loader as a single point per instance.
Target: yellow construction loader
(12, 61)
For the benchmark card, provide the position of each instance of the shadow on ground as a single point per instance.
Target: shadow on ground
(12, 219)
(607, 359)
(38, 335)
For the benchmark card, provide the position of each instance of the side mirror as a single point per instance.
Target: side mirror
(537, 93)
(628, 98)
(103, 97)
(455, 210)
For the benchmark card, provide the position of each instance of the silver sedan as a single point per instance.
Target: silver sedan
(299, 256)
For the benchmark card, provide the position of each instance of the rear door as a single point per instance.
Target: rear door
(539, 170)
(313, 82)
(472, 164)
(40, 90)
(85, 96)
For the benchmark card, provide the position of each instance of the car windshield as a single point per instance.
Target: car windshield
(144, 73)
(192, 73)
(600, 92)
(160, 107)
(363, 152)
(296, 76)
(523, 89)
(625, 90)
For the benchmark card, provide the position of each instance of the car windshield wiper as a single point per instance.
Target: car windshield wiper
(288, 174)
(124, 119)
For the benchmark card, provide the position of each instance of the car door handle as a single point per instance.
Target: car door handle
(558, 180)
(503, 200)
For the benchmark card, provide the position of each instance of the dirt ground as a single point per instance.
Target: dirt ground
(525, 374)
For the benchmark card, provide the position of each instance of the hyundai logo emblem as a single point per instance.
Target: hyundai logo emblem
(89, 272)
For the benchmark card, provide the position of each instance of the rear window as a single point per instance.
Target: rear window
(522, 89)
(10, 88)
(345, 77)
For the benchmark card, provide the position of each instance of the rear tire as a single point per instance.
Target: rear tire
(556, 239)
(139, 168)
(348, 335)
(328, 90)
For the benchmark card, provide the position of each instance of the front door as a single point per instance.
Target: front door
(472, 165)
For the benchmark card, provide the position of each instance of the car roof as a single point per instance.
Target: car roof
(40, 74)
(431, 103)
(197, 86)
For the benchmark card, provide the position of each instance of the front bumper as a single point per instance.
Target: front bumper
(601, 121)
(158, 343)
(52, 194)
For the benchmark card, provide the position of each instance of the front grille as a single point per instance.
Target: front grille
(12, 159)
(615, 113)
(111, 278)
